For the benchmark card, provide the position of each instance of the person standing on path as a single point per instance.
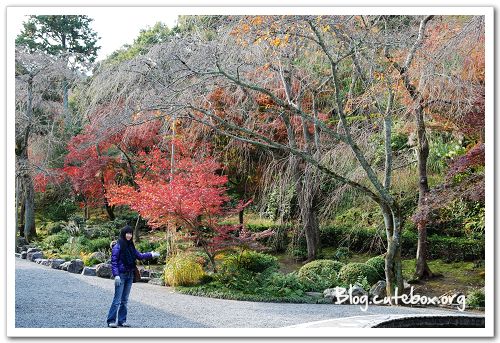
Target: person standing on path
(123, 258)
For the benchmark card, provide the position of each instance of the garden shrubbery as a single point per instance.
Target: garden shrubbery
(475, 299)
(320, 274)
(251, 275)
(53, 228)
(378, 263)
(252, 261)
(183, 270)
(243, 271)
(56, 241)
(352, 273)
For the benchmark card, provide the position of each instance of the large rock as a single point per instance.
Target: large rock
(358, 291)
(32, 256)
(42, 261)
(26, 247)
(75, 266)
(89, 271)
(65, 265)
(31, 249)
(334, 293)
(56, 263)
(378, 290)
(104, 270)
(99, 256)
(145, 273)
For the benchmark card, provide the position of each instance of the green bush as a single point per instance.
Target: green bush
(206, 278)
(455, 248)
(475, 299)
(378, 263)
(320, 274)
(163, 249)
(77, 219)
(92, 262)
(246, 271)
(363, 282)
(351, 273)
(146, 246)
(284, 285)
(54, 227)
(99, 244)
(252, 261)
(182, 270)
(362, 241)
(110, 229)
(238, 279)
(56, 241)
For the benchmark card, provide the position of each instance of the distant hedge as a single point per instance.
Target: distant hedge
(362, 240)
(368, 240)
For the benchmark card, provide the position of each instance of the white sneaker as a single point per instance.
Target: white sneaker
(124, 325)
(112, 325)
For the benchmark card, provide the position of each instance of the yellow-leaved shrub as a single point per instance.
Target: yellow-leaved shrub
(183, 270)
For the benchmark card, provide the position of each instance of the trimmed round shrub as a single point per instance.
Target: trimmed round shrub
(378, 263)
(354, 272)
(251, 261)
(320, 274)
(182, 270)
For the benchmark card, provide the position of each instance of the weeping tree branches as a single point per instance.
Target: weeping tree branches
(308, 88)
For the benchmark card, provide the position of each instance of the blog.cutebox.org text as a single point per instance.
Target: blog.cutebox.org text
(344, 295)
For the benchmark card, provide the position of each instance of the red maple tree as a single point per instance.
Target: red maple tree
(185, 192)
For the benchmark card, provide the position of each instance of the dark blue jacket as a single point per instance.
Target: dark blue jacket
(117, 265)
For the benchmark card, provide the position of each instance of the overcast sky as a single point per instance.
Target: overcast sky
(116, 26)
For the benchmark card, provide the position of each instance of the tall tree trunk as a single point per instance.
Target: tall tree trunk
(19, 204)
(21, 215)
(393, 274)
(305, 198)
(307, 202)
(422, 269)
(311, 230)
(240, 216)
(86, 214)
(110, 210)
(29, 214)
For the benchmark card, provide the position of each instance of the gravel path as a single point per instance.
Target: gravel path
(49, 298)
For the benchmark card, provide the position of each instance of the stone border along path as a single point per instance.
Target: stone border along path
(51, 298)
